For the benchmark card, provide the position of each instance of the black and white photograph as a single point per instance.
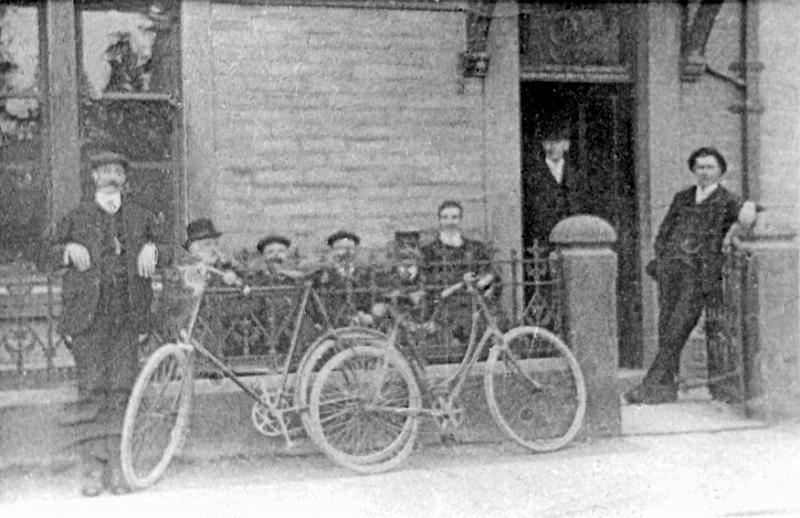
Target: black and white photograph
(400, 258)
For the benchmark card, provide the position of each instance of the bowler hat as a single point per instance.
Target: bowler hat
(108, 157)
(343, 234)
(556, 128)
(198, 229)
(273, 238)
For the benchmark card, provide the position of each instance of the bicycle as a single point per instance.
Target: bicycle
(366, 401)
(157, 414)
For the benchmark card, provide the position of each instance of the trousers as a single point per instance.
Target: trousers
(680, 302)
(107, 363)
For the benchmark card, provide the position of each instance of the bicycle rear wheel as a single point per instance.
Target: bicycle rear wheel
(535, 389)
(157, 416)
(322, 350)
(364, 409)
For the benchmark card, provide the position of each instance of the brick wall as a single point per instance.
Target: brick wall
(328, 118)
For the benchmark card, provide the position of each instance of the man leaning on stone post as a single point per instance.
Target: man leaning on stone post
(688, 267)
(110, 247)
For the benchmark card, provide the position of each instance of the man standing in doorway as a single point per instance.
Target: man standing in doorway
(110, 247)
(688, 267)
(550, 189)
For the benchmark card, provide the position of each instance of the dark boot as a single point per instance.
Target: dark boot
(114, 480)
(93, 473)
(652, 394)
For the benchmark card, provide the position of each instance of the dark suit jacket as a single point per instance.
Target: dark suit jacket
(81, 290)
(692, 233)
(545, 202)
(443, 264)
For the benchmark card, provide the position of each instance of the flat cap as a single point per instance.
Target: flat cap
(273, 238)
(343, 234)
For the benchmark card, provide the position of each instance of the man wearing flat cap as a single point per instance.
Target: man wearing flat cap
(404, 274)
(274, 248)
(347, 282)
(109, 247)
(274, 264)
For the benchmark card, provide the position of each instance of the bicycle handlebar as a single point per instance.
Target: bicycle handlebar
(452, 289)
(471, 284)
(245, 289)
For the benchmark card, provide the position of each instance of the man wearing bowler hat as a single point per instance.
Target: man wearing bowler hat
(551, 187)
(552, 190)
(202, 243)
(201, 246)
(110, 247)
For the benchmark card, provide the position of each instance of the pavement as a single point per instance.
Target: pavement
(691, 458)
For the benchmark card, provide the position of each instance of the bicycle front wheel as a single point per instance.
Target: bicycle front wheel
(535, 389)
(157, 416)
(364, 409)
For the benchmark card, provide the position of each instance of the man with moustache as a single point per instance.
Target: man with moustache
(347, 283)
(110, 247)
(274, 265)
(451, 258)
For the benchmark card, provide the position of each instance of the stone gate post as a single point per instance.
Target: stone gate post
(589, 274)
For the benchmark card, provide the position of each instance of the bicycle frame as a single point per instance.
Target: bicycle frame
(191, 345)
(474, 349)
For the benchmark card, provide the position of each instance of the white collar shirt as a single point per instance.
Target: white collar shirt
(110, 203)
(556, 169)
(451, 239)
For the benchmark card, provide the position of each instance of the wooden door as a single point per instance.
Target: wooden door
(600, 120)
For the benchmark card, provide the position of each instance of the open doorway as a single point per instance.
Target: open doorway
(601, 156)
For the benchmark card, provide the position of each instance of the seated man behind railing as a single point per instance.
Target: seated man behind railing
(346, 284)
(172, 314)
(277, 268)
(275, 264)
(448, 259)
(402, 281)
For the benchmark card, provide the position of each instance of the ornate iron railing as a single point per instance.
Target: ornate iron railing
(725, 329)
(32, 352)
(255, 330)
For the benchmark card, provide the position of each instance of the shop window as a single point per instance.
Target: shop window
(23, 185)
(128, 73)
